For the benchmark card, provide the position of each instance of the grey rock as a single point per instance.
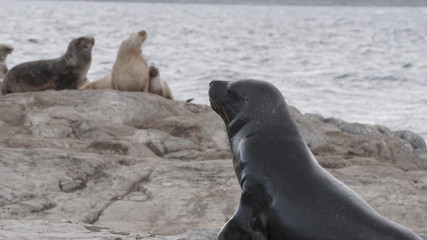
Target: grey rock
(334, 121)
(70, 230)
(416, 142)
(384, 130)
(12, 114)
(357, 128)
(174, 144)
(88, 129)
(315, 117)
(138, 166)
(38, 118)
(309, 128)
(55, 129)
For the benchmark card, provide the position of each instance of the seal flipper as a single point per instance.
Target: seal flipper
(245, 224)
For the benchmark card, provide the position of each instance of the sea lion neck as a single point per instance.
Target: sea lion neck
(73, 59)
(236, 125)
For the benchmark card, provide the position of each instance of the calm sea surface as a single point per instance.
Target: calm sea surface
(360, 64)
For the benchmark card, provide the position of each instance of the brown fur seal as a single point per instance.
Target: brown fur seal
(158, 85)
(5, 49)
(67, 72)
(130, 70)
(286, 194)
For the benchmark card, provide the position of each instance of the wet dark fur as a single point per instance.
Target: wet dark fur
(66, 72)
(286, 194)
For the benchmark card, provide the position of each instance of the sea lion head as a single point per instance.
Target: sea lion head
(135, 40)
(140, 36)
(81, 47)
(5, 49)
(153, 71)
(246, 101)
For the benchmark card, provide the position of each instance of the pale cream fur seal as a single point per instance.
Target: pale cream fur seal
(158, 85)
(130, 70)
(103, 83)
(5, 49)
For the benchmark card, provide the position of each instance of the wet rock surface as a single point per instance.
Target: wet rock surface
(104, 164)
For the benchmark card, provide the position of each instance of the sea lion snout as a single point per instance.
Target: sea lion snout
(92, 40)
(84, 43)
(89, 41)
(5, 49)
(8, 48)
(216, 87)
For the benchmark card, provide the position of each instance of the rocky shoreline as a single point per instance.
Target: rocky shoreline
(104, 164)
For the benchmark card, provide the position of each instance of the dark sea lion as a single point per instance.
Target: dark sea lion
(286, 194)
(67, 72)
(5, 50)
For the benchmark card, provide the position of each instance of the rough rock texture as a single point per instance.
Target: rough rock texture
(68, 230)
(103, 164)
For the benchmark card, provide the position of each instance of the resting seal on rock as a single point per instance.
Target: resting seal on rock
(103, 83)
(158, 85)
(5, 49)
(130, 70)
(286, 194)
(67, 72)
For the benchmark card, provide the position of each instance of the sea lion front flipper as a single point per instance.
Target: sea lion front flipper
(245, 224)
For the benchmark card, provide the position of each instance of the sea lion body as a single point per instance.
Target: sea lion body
(286, 194)
(66, 72)
(130, 70)
(103, 83)
(5, 50)
(158, 85)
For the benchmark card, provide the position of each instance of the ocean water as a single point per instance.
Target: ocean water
(360, 64)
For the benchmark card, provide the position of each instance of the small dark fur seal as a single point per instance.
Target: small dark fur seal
(157, 85)
(67, 72)
(286, 194)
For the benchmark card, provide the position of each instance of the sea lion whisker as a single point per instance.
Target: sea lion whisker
(224, 111)
(234, 112)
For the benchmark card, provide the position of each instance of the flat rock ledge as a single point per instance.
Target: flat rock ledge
(104, 164)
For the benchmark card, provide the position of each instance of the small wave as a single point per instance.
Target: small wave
(342, 76)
